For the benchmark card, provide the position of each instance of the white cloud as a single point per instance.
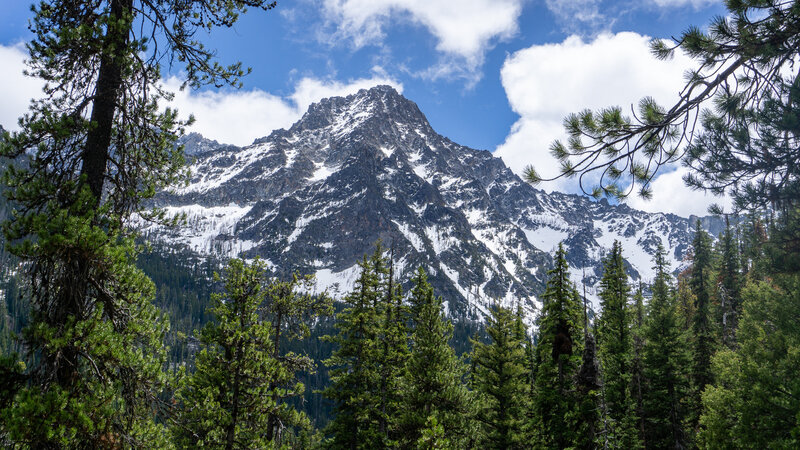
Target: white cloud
(16, 89)
(233, 117)
(464, 30)
(544, 83)
(239, 117)
(670, 195)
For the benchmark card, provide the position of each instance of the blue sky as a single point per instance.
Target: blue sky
(489, 74)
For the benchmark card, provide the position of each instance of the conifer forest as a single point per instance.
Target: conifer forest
(110, 340)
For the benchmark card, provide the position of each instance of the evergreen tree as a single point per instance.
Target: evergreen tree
(501, 383)
(290, 308)
(558, 355)
(614, 342)
(729, 285)
(433, 390)
(86, 157)
(589, 402)
(703, 344)
(354, 376)
(755, 400)
(637, 363)
(665, 360)
(229, 399)
(747, 143)
(393, 343)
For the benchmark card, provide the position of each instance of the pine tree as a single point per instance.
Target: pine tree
(501, 383)
(637, 363)
(558, 354)
(433, 389)
(290, 308)
(754, 402)
(353, 373)
(729, 286)
(614, 342)
(746, 144)
(703, 339)
(665, 360)
(229, 399)
(393, 343)
(589, 402)
(86, 157)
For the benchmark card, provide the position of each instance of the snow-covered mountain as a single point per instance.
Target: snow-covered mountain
(316, 198)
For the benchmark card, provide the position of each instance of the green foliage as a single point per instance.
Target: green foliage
(703, 338)
(558, 356)
(615, 352)
(366, 367)
(665, 359)
(84, 160)
(240, 383)
(433, 392)
(744, 94)
(501, 383)
(754, 403)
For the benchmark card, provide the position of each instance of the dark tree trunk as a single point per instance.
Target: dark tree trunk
(109, 81)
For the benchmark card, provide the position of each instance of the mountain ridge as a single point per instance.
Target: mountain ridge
(367, 167)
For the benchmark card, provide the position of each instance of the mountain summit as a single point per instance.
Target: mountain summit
(368, 167)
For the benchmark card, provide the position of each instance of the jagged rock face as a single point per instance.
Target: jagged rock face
(368, 167)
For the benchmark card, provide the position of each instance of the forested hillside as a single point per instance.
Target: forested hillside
(111, 340)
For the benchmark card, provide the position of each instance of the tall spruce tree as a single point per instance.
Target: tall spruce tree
(703, 334)
(393, 347)
(86, 156)
(501, 383)
(232, 395)
(559, 350)
(290, 308)
(433, 388)
(637, 364)
(614, 342)
(665, 360)
(729, 289)
(354, 376)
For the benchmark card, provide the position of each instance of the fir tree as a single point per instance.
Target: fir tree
(589, 402)
(229, 399)
(353, 373)
(501, 383)
(290, 309)
(614, 341)
(637, 363)
(393, 347)
(754, 402)
(702, 333)
(558, 358)
(665, 360)
(85, 158)
(729, 286)
(434, 395)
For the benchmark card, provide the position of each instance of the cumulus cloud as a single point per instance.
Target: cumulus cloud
(670, 195)
(16, 89)
(464, 31)
(544, 83)
(233, 117)
(239, 117)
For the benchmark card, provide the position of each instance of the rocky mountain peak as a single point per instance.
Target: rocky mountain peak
(368, 167)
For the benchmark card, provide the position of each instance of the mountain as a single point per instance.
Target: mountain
(316, 197)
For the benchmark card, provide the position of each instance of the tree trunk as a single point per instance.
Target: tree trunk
(109, 81)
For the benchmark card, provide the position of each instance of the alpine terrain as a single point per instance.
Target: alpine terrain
(368, 167)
